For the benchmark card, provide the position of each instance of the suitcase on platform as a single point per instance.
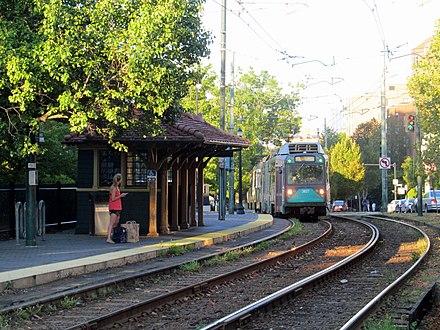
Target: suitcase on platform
(132, 231)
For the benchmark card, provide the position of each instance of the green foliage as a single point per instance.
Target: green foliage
(258, 99)
(424, 88)
(385, 324)
(217, 260)
(262, 246)
(29, 312)
(57, 161)
(5, 321)
(346, 169)
(409, 174)
(192, 266)
(412, 193)
(231, 255)
(330, 136)
(368, 137)
(176, 250)
(102, 65)
(415, 256)
(69, 302)
(297, 229)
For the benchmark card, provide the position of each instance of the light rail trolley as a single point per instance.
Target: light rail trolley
(292, 181)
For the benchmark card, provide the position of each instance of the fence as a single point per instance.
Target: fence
(20, 221)
(59, 200)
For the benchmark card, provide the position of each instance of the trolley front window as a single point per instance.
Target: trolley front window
(305, 173)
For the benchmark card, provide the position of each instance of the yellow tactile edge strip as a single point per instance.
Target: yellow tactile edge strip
(33, 276)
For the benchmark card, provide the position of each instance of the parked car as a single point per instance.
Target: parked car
(391, 207)
(339, 206)
(408, 205)
(400, 205)
(431, 201)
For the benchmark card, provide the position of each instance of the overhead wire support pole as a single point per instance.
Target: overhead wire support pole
(383, 144)
(231, 130)
(222, 172)
(418, 164)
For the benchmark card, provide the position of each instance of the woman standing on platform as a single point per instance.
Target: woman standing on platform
(114, 205)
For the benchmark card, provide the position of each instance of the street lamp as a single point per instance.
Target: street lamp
(240, 208)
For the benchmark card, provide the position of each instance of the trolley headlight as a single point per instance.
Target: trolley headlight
(289, 192)
(320, 191)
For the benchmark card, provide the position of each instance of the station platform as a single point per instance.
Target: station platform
(65, 254)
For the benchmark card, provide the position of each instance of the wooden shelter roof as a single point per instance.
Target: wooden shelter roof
(188, 129)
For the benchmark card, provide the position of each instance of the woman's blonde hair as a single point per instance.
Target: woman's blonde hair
(117, 178)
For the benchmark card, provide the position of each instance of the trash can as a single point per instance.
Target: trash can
(102, 218)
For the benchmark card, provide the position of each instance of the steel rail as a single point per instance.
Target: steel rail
(238, 318)
(127, 278)
(139, 307)
(360, 317)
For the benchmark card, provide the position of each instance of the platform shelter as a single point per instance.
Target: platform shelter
(163, 174)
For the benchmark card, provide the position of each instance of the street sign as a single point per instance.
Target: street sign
(385, 163)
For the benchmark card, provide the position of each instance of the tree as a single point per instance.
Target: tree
(409, 175)
(103, 66)
(57, 162)
(267, 116)
(331, 136)
(368, 137)
(424, 88)
(346, 169)
(208, 104)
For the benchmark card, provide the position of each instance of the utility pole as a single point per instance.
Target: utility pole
(383, 144)
(418, 164)
(222, 172)
(231, 130)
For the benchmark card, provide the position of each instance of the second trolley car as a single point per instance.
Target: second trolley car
(292, 181)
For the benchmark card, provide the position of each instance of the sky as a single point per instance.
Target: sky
(336, 48)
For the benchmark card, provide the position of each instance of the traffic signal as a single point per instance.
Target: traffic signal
(411, 123)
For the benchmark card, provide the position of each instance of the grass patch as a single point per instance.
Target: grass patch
(297, 229)
(263, 245)
(5, 321)
(389, 276)
(189, 248)
(162, 253)
(231, 255)
(69, 302)
(176, 250)
(217, 260)
(415, 256)
(385, 324)
(193, 266)
(28, 313)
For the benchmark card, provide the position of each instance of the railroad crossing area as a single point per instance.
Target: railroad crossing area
(64, 254)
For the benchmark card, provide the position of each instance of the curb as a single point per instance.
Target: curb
(33, 276)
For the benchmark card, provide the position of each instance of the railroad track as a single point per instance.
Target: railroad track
(336, 303)
(84, 309)
(169, 301)
(92, 284)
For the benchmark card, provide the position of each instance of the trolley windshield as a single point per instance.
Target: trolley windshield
(305, 173)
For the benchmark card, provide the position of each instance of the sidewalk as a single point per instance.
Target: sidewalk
(65, 254)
